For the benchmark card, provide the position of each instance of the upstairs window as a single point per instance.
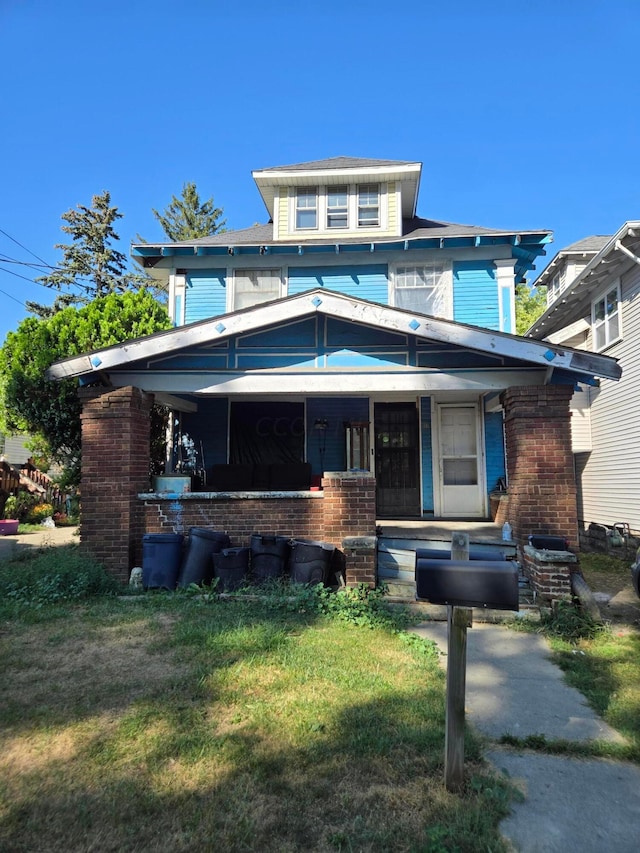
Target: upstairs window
(426, 289)
(606, 319)
(368, 205)
(254, 286)
(558, 284)
(337, 207)
(307, 207)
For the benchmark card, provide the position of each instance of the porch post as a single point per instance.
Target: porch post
(349, 505)
(115, 469)
(541, 475)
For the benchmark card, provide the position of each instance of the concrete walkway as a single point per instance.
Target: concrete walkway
(10, 546)
(591, 806)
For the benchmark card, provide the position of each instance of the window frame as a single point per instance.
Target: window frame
(363, 207)
(605, 322)
(275, 273)
(301, 210)
(443, 269)
(337, 210)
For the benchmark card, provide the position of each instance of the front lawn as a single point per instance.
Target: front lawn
(174, 722)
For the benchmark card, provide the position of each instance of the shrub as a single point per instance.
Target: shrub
(40, 512)
(20, 506)
(53, 576)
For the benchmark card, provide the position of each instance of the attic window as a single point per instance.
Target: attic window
(606, 319)
(368, 205)
(307, 207)
(337, 207)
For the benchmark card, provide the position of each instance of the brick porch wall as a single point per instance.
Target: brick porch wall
(115, 467)
(115, 472)
(542, 485)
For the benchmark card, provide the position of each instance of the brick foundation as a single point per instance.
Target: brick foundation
(549, 572)
(541, 478)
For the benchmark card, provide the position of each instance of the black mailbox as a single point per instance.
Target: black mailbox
(468, 583)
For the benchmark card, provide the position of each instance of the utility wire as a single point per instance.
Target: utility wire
(25, 248)
(13, 297)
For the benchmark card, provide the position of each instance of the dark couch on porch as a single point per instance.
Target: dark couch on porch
(276, 477)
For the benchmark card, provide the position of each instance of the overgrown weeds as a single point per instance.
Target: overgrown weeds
(52, 577)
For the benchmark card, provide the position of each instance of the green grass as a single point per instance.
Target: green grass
(170, 722)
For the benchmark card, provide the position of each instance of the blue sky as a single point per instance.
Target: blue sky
(523, 114)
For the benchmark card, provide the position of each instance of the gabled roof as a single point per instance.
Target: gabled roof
(616, 255)
(347, 308)
(581, 249)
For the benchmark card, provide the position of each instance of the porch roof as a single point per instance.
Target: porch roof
(135, 356)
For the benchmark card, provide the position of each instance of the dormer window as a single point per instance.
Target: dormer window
(368, 205)
(326, 209)
(337, 207)
(307, 207)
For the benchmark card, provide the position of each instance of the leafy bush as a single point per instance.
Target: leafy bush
(54, 576)
(40, 512)
(20, 506)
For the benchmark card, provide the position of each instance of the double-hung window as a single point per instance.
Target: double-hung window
(424, 288)
(606, 318)
(307, 207)
(254, 286)
(368, 205)
(337, 207)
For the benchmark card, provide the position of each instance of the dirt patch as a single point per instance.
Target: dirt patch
(104, 670)
(610, 581)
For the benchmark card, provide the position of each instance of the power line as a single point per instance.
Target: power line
(17, 242)
(13, 297)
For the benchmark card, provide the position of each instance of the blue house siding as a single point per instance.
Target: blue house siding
(426, 455)
(369, 281)
(205, 295)
(475, 294)
(336, 410)
(494, 448)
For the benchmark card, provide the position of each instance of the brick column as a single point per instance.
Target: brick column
(115, 469)
(542, 485)
(349, 505)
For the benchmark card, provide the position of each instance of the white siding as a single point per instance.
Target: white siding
(610, 489)
(580, 421)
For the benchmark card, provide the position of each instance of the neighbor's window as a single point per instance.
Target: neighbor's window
(254, 286)
(426, 289)
(368, 205)
(605, 319)
(337, 200)
(307, 207)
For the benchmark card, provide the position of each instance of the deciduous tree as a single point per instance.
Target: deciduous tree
(530, 304)
(50, 411)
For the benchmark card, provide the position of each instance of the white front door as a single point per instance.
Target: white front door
(461, 483)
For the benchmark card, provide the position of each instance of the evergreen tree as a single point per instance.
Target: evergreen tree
(187, 217)
(91, 267)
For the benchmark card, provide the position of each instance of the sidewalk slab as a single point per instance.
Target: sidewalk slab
(513, 688)
(591, 805)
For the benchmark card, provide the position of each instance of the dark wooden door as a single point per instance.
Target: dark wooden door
(397, 460)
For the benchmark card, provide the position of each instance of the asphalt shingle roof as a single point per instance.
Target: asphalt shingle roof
(337, 163)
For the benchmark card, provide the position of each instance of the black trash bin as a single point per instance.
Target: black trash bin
(310, 561)
(161, 557)
(231, 566)
(197, 566)
(269, 556)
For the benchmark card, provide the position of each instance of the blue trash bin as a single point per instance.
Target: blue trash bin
(161, 557)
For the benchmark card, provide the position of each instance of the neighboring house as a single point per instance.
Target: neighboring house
(14, 449)
(594, 305)
(349, 334)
